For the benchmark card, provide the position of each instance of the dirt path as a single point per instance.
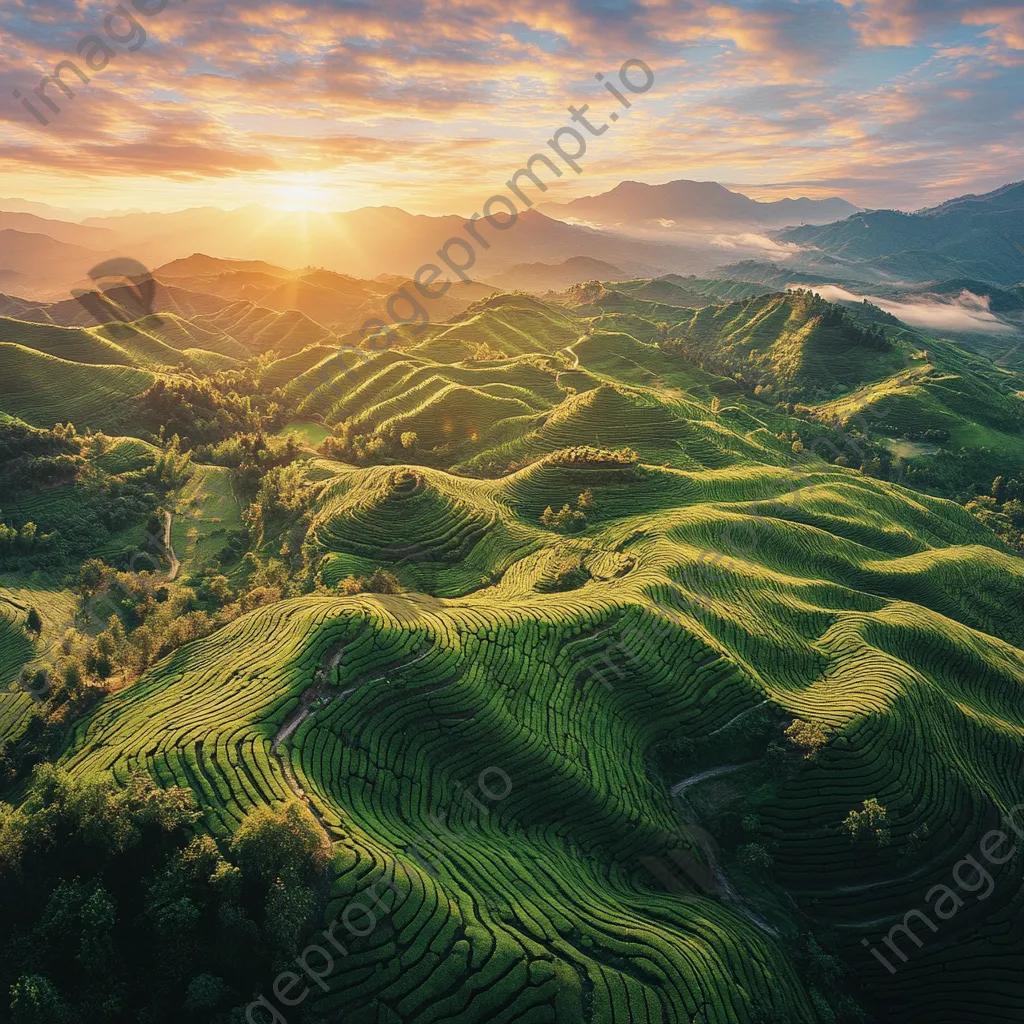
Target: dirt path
(726, 769)
(736, 718)
(172, 575)
(319, 695)
(707, 845)
(312, 696)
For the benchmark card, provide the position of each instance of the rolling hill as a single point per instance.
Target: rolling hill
(520, 617)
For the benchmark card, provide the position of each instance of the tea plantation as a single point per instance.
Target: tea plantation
(527, 638)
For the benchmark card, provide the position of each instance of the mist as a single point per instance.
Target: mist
(967, 314)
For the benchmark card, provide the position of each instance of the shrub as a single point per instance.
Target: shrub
(811, 737)
(871, 822)
(567, 519)
(756, 858)
(380, 581)
(584, 455)
(285, 842)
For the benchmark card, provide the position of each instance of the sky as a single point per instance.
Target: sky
(431, 105)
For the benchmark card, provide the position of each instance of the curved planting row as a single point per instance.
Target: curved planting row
(708, 605)
(396, 515)
(43, 390)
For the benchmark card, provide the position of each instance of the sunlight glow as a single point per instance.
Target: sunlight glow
(305, 192)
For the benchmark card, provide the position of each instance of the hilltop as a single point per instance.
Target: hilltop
(640, 560)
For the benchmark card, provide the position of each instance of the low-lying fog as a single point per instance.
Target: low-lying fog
(966, 314)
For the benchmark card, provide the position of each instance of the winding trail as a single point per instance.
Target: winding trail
(312, 695)
(707, 844)
(736, 718)
(172, 575)
(319, 695)
(725, 769)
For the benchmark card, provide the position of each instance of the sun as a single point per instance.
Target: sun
(307, 192)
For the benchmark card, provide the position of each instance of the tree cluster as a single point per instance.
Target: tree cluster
(569, 518)
(33, 459)
(112, 908)
(1002, 509)
(210, 410)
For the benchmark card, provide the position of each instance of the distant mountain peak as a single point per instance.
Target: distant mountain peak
(685, 203)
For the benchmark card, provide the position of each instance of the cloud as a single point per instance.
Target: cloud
(1006, 21)
(906, 22)
(966, 314)
(435, 97)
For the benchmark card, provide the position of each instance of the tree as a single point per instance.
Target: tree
(871, 822)
(91, 577)
(756, 858)
(34, 1000)
(1014, 511)
(204, 992)
(409, 438)
(716, 406)
(40, 685)
(283, 842)
(811, 737)
(775, 759)
(34, 622)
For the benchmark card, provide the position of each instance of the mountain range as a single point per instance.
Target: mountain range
(978, 236)
(645, 231)
(694, 204)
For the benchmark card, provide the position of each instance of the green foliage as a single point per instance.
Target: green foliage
(756, 857)
(281, 843)
(1003, 511)
(250, 456)
(111, 910)
(211, 410)
(811, 737)
(31, 459)
(380, 581)
(584, 455)
(566, 519)
(871, 822)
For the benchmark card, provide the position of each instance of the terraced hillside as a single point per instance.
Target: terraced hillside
(528, 636)
(851, 602)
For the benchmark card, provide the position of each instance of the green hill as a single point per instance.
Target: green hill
(793, 344)
(836, 607)
(42, 389)
(563, 634)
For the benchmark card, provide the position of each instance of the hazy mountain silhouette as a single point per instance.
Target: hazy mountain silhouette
(376, 240)
(542, 277)
(694, 204)
(977, 236)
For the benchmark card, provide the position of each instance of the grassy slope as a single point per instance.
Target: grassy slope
(56, 607)
(837, 596)
(721, 573)
(853, 602)
(206, 510)
(43, 390)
